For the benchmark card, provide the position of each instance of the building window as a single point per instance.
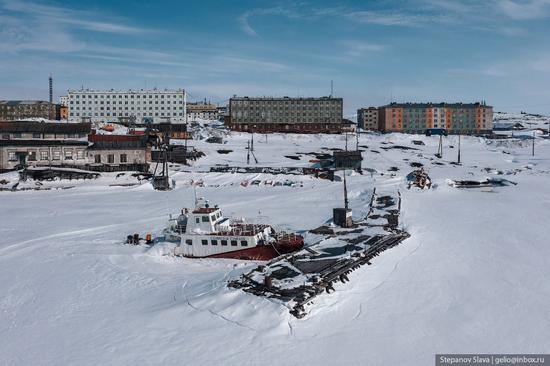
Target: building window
(80, 154)
(205, 219)
(189, 241)
(6, 136)
(204, 242)
(17, 135)
(68, 155)
(123, 158)
(56, 155)
(233, 243)
(36, 135)
(214, 242)
(12, 156)
(97, 159)
(111, 158)
(44, 155)
(32, 156)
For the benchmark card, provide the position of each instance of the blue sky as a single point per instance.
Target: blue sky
(408, 50)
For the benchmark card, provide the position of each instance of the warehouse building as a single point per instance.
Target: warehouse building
(42, 144)
(300, 115)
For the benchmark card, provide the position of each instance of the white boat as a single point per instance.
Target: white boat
(205, 232)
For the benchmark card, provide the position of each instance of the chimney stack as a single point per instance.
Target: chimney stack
(51, 88)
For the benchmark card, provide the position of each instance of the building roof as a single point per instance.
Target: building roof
(284, 98)
(44, 127)
(128, 91)
(39, 143)
(114, 138)
(24, 102)
(437, 105)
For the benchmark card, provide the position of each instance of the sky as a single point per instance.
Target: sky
(375, 52)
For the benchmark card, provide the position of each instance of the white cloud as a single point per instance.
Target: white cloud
(525, 9)
(81, 19)
(244, 19)
(357, 48)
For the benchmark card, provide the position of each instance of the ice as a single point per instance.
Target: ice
(473, 276)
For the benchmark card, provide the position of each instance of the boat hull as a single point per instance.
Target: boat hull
(262, 252)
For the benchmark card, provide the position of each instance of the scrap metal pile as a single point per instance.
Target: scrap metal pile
(296, 279)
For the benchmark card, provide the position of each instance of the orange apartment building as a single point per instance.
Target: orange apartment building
(463, 118)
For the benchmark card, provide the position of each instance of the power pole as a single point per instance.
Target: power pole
(459, 149)
(534, 134)
(248, 154)
(346, 141)
(345, 192)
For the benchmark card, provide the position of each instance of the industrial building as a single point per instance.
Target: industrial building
(300, 115)
(118, 153)
(42, 144)
(139, 106)
(367, 118)
(464, 118)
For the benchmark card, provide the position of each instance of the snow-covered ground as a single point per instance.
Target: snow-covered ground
(473, 277)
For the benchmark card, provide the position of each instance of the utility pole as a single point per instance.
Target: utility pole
(248, 154)
(534, 134)
(252, 142)
(459, 149)
(357, 139)
(346, 141)
(345, 192)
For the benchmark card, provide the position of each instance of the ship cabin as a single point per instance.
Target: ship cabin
(206, 232)
(206, 220)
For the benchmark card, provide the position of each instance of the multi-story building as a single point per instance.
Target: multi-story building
(205, 111)
(16, 110)
(463, 118)
(42, 144)
(367, 118)
(303, 115)
(138, 105)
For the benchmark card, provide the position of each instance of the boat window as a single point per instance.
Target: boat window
(204, 242)
(234, 243)
(244, 243)
(214, 242)
(224, 242)
(205, 219)
(197, 220)
(189, 241)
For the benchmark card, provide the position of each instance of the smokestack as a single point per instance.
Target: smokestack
(51, 88)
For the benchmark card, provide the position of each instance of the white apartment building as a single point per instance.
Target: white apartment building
(112, 106)
(438, 118)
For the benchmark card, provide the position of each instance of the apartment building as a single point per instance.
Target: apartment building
(141, 106)
(301, 115)
(16, 110)
(367, 118)
(464, 118)
(203, 111)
